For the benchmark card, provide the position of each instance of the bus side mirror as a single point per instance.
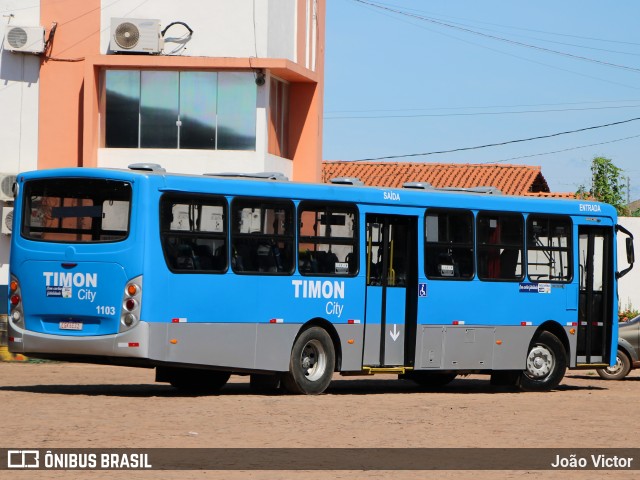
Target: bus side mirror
(630, 252)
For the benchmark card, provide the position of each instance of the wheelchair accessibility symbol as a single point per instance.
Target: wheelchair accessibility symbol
(422, 290)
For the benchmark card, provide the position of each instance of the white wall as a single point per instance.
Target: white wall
(222, 28)
(19, 90)
(281, 37)
(19, 76)
(629, 285)
(195, 161)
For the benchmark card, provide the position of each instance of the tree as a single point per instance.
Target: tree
(607, 184)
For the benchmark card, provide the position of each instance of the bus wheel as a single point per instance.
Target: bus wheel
(312, 363)
(546, 364)
(431, 379)
(619, 370)
(197, 381)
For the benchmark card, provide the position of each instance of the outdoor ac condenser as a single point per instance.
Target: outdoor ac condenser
(135, 35)
(22, 39)
(6, 186)
(7, 220)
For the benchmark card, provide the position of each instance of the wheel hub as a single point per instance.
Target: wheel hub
(616, 368)
(313, 360)
(540, 362)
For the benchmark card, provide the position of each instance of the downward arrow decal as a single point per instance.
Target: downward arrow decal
(394, 333)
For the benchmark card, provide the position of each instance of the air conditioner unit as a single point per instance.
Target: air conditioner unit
(24, 39)
(135, 35)
(6, 186)
(7, 220)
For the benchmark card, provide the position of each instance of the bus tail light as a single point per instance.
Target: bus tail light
(131, 304)
(15, 301)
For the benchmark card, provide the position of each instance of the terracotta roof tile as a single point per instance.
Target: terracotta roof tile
(570, 195)
(509, 179)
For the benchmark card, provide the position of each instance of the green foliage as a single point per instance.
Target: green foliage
(627, 313)
(607, 184)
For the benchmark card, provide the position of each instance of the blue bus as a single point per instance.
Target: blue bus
(201, 277)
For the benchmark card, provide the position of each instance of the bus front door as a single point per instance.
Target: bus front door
(391, 301)
(595, 297)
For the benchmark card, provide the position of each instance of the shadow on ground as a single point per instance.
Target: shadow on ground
(462, 386)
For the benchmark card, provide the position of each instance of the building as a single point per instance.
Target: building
(230, 85)
(509, 179)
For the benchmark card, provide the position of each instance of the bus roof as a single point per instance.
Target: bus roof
(272, 186)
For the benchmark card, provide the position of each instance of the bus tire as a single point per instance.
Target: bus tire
(546, 364)
(312, 363)
(198, 381)
(620, 370)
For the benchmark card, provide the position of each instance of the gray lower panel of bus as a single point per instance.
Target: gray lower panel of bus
(133, 343)
(476, 347)
(242, 346)
(268, 346)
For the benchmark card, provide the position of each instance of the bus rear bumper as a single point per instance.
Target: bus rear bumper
(132, 343)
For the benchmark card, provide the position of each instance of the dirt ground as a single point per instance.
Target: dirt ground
(59, 405)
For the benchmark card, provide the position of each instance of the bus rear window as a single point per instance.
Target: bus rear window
(76, 210)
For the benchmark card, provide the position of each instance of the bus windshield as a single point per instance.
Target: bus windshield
(76, 210)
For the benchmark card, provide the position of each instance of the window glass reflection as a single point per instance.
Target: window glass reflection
(159, 110)
(171, 109)
(236, 111)
(198, 109)
(122, 109)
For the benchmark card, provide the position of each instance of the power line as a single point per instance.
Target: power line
(382, 12)
(438, 17)
(540, 137)
(477, 107)
(495, 37)
(521, 28)
(473, 114)
(563, 150)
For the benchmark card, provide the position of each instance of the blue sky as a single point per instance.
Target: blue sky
(444, 74)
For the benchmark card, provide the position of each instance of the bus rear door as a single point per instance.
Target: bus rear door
(391, 301)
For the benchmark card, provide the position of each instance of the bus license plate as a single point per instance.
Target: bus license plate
(70, 325)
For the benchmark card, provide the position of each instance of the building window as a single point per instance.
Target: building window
(500, 238)
(186, 110)
(262, 236)
(193, 231)
(279, 118)
(548, 243)
(449, 244)
(327, 239)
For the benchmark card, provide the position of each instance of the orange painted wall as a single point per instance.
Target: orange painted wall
(306, 113)
(77, 36)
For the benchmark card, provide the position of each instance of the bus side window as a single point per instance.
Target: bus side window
(500, 243)
(449, 244)
(185, 259)
(262, 236)
(327, 239)
(191, 227)
(548, 248)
